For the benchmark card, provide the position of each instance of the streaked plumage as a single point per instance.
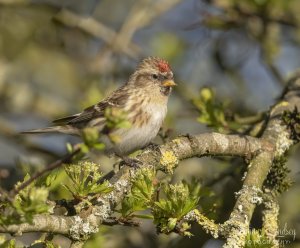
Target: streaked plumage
(144, 100)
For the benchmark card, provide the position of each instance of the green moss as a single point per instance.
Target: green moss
(278, 179)
(292, 120)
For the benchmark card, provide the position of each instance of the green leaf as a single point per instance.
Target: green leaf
(51, 178)
(179, 199)
(116, 118)
(172, 223)
(99, 146)
(28, 202)
(85, 177)
(69, 147)
(211, 111)
(141, 194)
(90, 136)
(214, 113)
(9, 244)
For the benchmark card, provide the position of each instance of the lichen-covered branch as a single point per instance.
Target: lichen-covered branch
(270, 218)
(165, 157)
(277, 134)
(42, 223)
(207, 225)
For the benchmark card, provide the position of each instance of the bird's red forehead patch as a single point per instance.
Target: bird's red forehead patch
(163, 66)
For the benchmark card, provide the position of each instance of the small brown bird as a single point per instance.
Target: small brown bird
(144, 100)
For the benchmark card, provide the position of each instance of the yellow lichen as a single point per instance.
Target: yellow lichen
(278, 105)
(168, 160)
(284, 103)
(176, 141)
(208, 225)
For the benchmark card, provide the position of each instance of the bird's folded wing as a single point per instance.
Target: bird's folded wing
(117, 99)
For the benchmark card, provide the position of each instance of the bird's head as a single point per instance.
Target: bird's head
(154, 72)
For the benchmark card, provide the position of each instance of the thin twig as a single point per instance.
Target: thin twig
(52, 166)
(94, 28)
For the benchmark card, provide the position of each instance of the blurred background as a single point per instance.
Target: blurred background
(60, 56)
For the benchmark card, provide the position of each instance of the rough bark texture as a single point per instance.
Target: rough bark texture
(277, 134)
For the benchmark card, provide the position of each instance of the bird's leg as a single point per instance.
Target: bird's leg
(152, 146)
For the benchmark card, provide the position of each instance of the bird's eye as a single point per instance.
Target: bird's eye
(155, 76)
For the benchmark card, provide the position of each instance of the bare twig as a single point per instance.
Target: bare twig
(94, 28)
(139, 16)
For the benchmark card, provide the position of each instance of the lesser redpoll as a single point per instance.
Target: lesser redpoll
(144, 100)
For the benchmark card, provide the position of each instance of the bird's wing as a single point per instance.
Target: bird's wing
(117, 99)
(65, 120)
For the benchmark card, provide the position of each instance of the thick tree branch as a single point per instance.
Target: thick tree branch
(270, 218)
(164, 157)
(42, 223)
(277, 134)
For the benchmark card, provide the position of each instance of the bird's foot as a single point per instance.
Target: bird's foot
(131, 162)
(153, 146)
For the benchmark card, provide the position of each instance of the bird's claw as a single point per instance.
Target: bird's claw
(153, 146)
(131, 162)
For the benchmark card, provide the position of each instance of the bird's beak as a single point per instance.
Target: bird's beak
(169, 83)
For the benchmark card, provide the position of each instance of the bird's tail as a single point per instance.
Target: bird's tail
(67, 129)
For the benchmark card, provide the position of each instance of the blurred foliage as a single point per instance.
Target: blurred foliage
(173, 50)
(8, 244)
(97, 240)
(218, 115)
(115, 119)
(32, 200)
(261, 19)
(213, 113)
(28, 202)
(90, 137)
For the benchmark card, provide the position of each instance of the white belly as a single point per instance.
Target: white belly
(135, 138)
